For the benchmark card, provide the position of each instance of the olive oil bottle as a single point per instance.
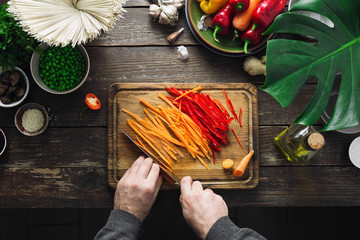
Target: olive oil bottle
(299, 143)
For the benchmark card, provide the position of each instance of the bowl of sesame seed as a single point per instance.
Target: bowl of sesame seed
(31, 119)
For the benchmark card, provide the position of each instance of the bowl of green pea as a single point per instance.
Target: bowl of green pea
(60, 70)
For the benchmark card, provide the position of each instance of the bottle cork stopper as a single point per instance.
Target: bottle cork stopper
(316, 141)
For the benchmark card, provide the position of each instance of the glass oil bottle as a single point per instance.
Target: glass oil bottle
(299, 143)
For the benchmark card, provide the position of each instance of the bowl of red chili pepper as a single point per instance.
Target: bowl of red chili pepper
(233, 28)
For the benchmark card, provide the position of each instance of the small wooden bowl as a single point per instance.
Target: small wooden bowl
(19, 114)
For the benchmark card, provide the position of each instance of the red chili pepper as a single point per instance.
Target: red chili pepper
(230, 105)
(252, 36)
(222, 21)
(92, 102)
(265, 13)
(239, 5)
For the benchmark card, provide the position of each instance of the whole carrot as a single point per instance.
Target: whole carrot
(242, 20)
(240, 169)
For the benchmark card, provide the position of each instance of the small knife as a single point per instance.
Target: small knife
(169, 176)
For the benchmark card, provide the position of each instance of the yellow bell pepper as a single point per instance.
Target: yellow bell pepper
(211, 6)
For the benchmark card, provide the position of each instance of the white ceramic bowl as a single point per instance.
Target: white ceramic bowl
(2, 141)
(35, 70)
(325, 117)
(27, 86)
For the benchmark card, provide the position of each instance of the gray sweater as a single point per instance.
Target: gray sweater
(123, 225)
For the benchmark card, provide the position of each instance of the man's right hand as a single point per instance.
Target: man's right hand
(201, 208)
(137, 189)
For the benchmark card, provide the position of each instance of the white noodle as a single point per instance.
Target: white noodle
(63, 22)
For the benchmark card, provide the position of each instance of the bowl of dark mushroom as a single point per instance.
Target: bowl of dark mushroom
(14, 87)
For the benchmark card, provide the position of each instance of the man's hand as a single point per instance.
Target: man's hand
(201, 208)
(137, 189)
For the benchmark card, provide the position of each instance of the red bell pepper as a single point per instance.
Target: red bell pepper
(239, 5)
(221, 23)
(265, 13)
(251, 36)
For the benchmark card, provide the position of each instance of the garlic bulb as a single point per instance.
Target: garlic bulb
(154, 11)
(177, 3)
(166, 11)
(169, 15)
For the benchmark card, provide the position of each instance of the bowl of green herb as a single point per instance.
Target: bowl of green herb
(60, 70)
(16, 46)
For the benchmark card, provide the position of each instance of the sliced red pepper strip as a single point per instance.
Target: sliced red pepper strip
(208, 114)
(240, 113)
(230, 105)
(237, 138)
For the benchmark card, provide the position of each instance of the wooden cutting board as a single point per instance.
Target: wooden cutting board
(122, 152)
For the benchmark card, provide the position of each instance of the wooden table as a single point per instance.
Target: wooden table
(66, 166)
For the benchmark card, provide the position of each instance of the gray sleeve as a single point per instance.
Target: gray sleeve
(224, 228)
(121, 225)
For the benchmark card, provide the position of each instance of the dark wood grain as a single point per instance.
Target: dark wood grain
(278, 186)
(66, 165)
(64, 110)
(138, 28)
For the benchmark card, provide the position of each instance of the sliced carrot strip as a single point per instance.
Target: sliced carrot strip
(186, 93)
(203, 163)
(179, 114)
(134, 126)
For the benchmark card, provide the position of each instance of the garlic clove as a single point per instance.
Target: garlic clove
(182, 53)
(173, 36)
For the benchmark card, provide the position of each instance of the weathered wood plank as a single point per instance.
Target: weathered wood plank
(87, 187)
(138, 28)
(87, 147)
(160, 64)
(137, 3)
(64, 110)
(56, 147)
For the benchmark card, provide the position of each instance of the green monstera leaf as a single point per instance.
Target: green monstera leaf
(290, 63)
